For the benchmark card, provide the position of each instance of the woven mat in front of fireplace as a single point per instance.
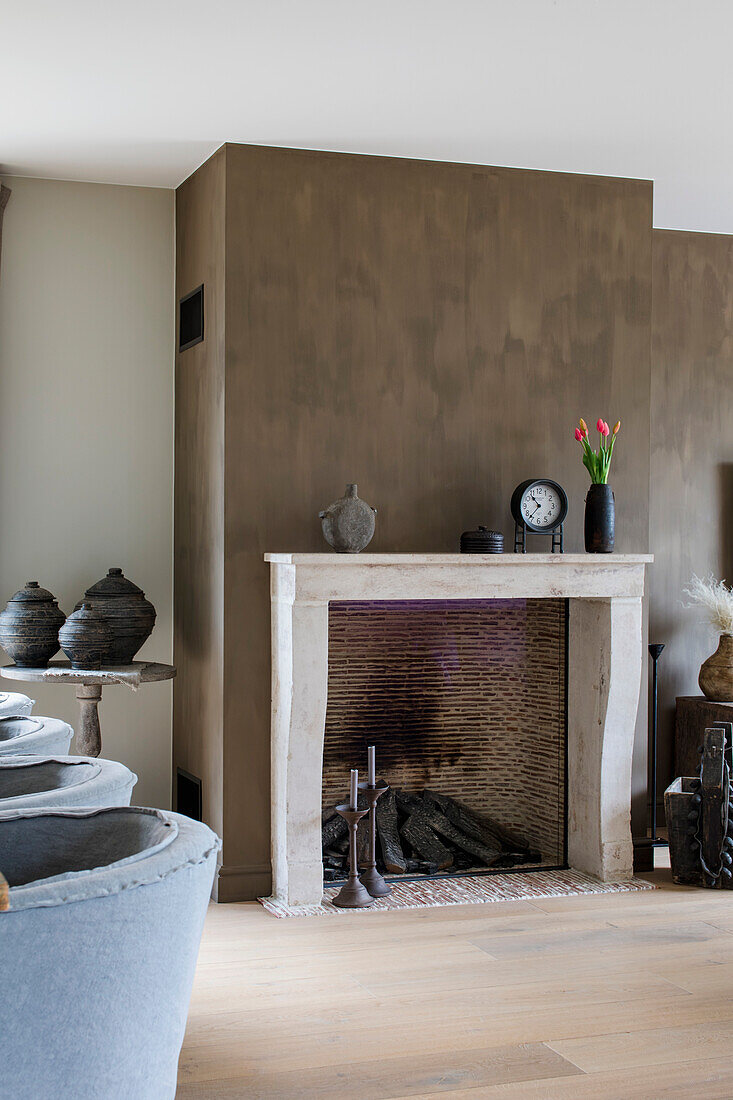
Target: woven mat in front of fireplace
(468, 890)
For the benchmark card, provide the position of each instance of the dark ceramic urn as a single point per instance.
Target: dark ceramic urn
(87, 638)
(29, 626)
(129, 615)
(348, 523)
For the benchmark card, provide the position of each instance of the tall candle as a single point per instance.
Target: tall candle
(372, 766)
(354, 785)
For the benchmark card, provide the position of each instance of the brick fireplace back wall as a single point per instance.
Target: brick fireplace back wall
(465, 697)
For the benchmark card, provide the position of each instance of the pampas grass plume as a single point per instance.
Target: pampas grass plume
(715, 598)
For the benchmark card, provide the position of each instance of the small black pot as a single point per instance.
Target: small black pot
(87, 639)
(600, 520)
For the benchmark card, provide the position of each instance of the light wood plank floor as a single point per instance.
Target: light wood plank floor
(622, 997)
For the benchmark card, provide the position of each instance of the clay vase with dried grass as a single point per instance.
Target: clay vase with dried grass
(716, 674)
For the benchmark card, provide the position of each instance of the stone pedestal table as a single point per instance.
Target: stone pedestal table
(89, 683)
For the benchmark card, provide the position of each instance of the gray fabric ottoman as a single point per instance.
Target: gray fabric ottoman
(34, 736)
(52, 781)
(98, 949)
(12, 703)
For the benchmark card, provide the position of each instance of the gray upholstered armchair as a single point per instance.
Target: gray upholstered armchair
(98, 949)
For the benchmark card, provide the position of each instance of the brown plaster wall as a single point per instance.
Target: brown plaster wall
(431, 331)
(692, 452)
(199, 493)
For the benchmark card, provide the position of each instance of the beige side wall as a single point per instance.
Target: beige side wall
(86, 423)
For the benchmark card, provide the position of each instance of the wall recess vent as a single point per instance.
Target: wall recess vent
(191, 319)
(188, 794)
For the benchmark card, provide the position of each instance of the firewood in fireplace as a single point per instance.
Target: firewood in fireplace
(475, 825)
(424, 833)
(389, 837)
(417, 831)
(332, 831)
(440, 824)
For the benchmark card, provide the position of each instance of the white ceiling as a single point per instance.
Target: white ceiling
(143, 91)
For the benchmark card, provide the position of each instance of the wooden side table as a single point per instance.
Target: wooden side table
(89, 684)
(693, 716)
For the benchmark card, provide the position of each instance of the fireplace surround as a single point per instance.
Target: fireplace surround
(604, 655)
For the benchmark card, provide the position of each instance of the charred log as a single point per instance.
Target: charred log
(389, 836)
(476, 825)
(333, 830)
(417, 830)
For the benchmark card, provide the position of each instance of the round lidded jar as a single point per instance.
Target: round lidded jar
(86, 638)
(129, 615)
(482, 541)
(29, 626)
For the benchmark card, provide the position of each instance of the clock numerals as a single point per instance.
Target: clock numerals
(540, 506)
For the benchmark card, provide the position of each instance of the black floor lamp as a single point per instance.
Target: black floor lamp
(653, 841)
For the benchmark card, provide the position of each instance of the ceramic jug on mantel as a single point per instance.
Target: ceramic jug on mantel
(348, 523)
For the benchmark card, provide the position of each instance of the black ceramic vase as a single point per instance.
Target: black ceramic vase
(600, 520)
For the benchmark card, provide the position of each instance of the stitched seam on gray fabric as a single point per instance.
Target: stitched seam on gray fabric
(78, 790)
(73, 898)
(81, 782)
(82, 811)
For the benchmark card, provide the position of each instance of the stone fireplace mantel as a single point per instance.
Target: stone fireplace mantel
(605, 661)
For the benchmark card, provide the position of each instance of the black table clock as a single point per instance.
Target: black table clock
(539, 506)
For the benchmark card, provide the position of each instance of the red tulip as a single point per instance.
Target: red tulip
(579, 435)
(600, 426)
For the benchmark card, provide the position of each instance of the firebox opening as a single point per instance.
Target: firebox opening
(466, 703)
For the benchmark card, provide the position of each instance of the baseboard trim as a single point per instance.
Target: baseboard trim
(245, 882)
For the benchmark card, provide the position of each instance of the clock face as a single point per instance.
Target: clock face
(541, 505)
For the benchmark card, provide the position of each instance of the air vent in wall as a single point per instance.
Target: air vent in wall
(188, 794)
(191, 319)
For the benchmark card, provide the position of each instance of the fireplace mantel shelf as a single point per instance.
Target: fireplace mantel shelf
(605, 655)
(314, 578)
(559, 560)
